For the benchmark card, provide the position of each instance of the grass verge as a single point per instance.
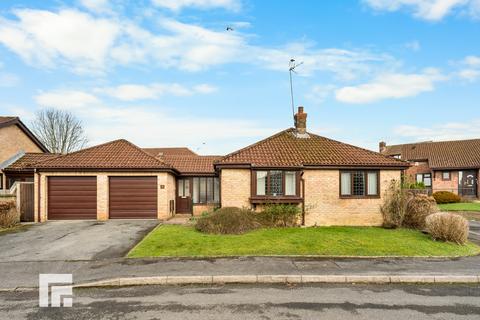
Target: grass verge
(185, 241)
(461, 206)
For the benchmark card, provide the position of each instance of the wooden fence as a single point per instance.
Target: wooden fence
(25, 201)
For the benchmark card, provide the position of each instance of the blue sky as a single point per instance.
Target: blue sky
(168, 73)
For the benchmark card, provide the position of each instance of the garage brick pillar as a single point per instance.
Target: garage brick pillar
(102, 197)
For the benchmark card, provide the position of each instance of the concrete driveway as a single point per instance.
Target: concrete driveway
(474, 231)
(73, 240)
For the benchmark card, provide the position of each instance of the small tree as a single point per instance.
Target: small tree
(394, 206)
(59, 130)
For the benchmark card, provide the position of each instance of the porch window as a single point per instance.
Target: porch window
(275, 183)
(206, 190)
(359, 183)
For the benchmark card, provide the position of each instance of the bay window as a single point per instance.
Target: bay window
(275, 183)
(206, 190)
(359, 183)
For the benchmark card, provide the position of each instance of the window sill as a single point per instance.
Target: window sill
(360, 197)
(277, 199)
(207, 204)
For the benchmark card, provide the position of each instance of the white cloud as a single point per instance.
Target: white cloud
(447, 131)
(390, 86)
(205, 88)
(413, 45)
(98, 6)
(66, 99)
(8, 79)
(87, 44)
(469, 68)
(132, 92)
(177, 5)
(432, 10)
(469, 74)
(344, 64)
(319, 93)
(48, 38)
(472, 61)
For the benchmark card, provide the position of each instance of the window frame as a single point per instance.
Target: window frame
(449, 176)
(423, 178)
(267, 187)
(365, 187)
(214, 195)
(1, 180)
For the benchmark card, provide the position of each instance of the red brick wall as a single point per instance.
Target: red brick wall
(417, 167)
(447, 185)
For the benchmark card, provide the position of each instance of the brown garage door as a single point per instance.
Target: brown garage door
(133, 198)
(71, 198)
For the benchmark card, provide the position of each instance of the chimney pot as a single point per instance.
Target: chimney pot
(301, 121)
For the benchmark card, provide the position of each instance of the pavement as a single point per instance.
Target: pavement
(73, 240)
(94, 251)
(21, 274)
(325, 301)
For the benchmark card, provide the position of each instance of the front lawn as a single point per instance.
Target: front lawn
(185, 241)
(461, 206)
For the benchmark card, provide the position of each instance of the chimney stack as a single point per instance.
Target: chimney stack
(301, 121)
(382, 146)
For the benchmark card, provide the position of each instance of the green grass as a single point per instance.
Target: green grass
(185, 241)
(462, 206)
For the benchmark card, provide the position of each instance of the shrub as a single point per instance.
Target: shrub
(228, 220)
(418, 207)
(8, 214)
(446, 197)
(280, 215)
(414, 185)
(394, 206)
(447, 227)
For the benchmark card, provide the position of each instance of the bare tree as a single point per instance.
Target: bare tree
(59, 130)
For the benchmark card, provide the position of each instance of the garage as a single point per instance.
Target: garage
(132, 197)
(72, 198)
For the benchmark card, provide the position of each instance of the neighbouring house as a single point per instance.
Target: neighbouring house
(333, 182)
(16, 140)
(442, 166)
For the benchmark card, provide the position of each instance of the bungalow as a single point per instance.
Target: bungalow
(16, 140)
(442, 166)
(333, 182)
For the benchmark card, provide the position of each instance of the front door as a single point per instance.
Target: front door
(468, 183)
(184, 199)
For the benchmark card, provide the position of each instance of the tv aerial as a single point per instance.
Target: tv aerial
(292, 65)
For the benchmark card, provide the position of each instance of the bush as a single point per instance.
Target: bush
(228, 220)
(280, 215)
(394, 206)
(419, 206)
(447, 227)
(446, 197)
(8, 214)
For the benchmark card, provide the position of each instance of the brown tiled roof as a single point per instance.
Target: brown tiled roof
(287, 149)
(27, 162)
(4, 119)
(118, 154)
(170, 151)
(191, 164)
(442, 154)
